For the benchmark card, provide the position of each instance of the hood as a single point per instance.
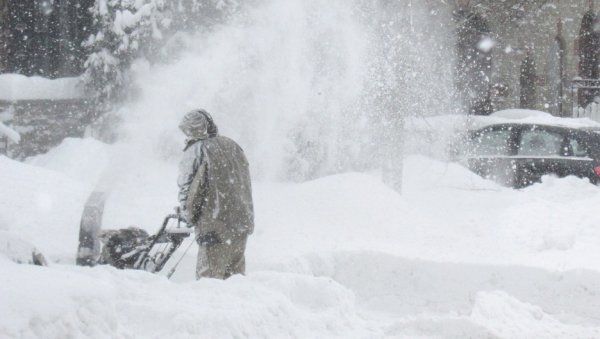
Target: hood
(198, 124)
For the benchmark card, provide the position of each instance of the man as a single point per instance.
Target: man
(215, 194)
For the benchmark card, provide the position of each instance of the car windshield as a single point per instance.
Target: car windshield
(492, 142)
(537, 142)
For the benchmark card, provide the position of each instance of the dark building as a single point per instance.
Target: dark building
(3, 34)
(473, 63)
(44, 37)
(541, 32)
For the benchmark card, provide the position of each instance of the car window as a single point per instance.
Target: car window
(539, 142)
(492, 142)
(577, 149)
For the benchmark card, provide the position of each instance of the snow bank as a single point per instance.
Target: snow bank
(407, 287)
(19, 87)
(446, 213)
(14, 248)
(102, 302)
(341, 256)
(508, 317)
(42, 207)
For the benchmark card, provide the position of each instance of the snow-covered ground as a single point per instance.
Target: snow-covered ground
(454, 256)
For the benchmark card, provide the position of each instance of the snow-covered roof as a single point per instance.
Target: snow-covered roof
(526, 116)
(19, 87)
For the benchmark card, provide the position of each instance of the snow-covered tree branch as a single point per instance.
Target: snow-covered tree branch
(126, 30)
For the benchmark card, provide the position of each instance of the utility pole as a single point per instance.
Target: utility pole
(560, 47)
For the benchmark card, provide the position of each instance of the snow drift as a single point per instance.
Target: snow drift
(343, 256)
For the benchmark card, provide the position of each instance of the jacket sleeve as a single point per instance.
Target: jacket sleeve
(192, 158)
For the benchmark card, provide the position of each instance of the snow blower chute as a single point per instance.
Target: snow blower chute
(131, 247)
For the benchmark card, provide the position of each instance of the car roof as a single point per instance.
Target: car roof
(520, 117)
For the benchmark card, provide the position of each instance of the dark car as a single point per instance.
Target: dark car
(519, 154)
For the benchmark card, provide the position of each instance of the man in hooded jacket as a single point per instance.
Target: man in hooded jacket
(215, 194)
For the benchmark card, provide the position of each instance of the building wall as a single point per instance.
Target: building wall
(43, 38)
(521, 25)
(3, 34)
(43, 124)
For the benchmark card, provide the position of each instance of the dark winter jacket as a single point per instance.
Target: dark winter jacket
(215, 188)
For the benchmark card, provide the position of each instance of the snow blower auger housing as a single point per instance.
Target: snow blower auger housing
(131, 248)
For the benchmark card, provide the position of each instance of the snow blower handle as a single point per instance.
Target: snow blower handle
(178, 213)
(180, 218)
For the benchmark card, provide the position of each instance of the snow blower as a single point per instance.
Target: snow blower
(129, 248)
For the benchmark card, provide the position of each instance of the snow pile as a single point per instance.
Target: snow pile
(341, 256)
(19, 87)
(508, 317)
(420, 298)
(564, 220)
(66, 301)
(15, 248)
(41, 207)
